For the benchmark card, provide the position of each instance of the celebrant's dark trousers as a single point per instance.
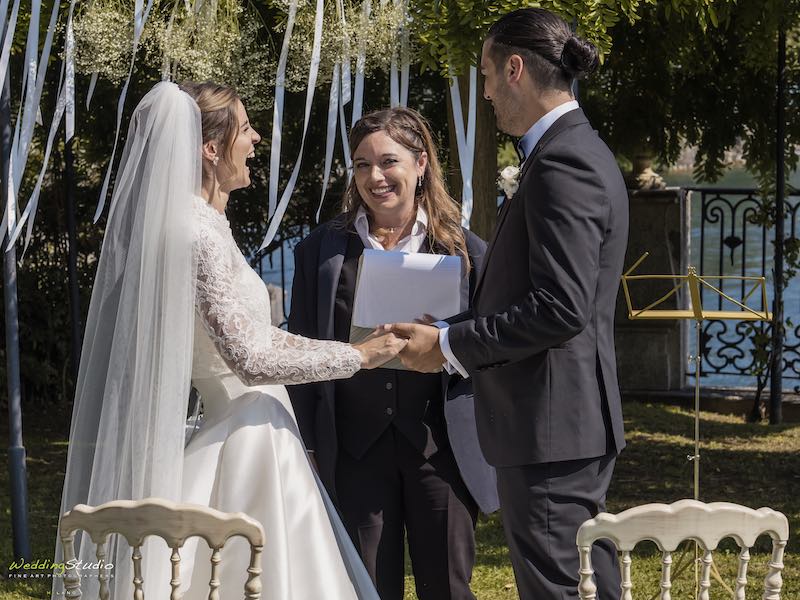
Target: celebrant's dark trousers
(394, 489)
(542, 506)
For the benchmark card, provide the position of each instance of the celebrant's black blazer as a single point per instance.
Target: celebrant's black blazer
(539, 339)
(318, 267)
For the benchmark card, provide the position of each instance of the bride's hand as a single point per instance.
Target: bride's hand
(379, 348)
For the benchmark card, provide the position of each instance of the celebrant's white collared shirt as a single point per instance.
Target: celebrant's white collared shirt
(409, 244)
(525, 146)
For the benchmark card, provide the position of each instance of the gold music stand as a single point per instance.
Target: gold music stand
(741, 312)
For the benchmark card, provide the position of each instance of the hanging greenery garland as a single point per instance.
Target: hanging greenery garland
(379, 34)
(217, 41)
(104, 39)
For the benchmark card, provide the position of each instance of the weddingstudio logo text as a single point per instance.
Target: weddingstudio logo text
(46, 567)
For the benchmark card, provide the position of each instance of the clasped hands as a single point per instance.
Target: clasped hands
(417, 345)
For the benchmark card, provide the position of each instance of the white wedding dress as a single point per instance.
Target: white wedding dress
(248, 455)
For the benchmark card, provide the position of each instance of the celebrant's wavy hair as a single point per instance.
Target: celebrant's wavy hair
(553, 55)
(410, 129)
(219, 115)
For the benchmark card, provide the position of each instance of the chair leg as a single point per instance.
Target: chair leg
(138, 592)
(627, 584)
(741, 576)
(72, 581)
(774, 581)
(252, 587)
(666, 576)
(101, 554)
(587, 590)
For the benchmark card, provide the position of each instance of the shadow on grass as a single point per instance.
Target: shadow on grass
(765, 473)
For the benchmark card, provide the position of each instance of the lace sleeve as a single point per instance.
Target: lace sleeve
(256, 351)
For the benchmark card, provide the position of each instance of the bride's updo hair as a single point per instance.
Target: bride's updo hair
(553, 55)
(218, 110)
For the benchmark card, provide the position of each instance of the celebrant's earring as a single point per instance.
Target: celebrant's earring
(420, 179)
(215, 160)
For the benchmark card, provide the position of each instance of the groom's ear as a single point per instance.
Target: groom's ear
(515, 65)
(210, 150)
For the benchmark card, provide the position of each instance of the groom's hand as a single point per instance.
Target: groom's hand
(422, 353)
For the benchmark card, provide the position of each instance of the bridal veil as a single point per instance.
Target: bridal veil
(127, 432)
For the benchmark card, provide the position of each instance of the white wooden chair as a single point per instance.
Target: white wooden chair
(135, 520)
(670, 524)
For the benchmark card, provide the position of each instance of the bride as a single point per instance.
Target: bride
(174, 304)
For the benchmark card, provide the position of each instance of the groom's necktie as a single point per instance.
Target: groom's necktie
(520, 153)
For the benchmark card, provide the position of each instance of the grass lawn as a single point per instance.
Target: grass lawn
(754, 465)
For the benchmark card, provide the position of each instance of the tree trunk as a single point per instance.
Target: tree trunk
(484, 172)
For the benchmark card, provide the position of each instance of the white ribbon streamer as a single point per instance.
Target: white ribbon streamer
(8, 38)
(10, 217)
(405, 59)
(348, 163)
(361, 62)
(90, 92)
(398, 78)
(33, 84)
(330, 136)
(70, 81)
(312, 82)
(465, 140)
(394, 82)
(277, 113)
(4, 14)
(345, 54)
(35, 88)
(29, 215)
(66, 94)
(140, 19)
(28, 95)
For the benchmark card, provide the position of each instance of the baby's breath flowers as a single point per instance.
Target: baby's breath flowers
(379, 36)
(220, 41)
(208, 41)
(104, 39)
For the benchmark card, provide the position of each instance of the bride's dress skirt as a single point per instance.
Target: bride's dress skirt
(248, 456)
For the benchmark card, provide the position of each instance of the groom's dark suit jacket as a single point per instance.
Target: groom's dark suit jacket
(349, 415)
(539, 340)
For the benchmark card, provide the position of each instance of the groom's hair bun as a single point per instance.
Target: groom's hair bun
(579, 57)
(553, 55)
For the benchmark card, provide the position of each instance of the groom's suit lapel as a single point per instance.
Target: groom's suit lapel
(570, 119)
(331, 258)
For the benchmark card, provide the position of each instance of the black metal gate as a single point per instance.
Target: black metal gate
(727, 240)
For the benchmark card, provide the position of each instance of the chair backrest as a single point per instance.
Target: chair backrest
(670, 524)
(135, 520)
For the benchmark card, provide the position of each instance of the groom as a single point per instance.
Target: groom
(539, 342)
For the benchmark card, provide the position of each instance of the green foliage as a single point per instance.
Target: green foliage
(671, 80)
(449, 33)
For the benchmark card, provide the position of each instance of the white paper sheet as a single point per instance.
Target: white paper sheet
(395, 287)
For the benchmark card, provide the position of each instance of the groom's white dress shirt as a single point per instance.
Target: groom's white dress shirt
(526, 145)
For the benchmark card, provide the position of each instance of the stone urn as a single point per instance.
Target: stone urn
(642, 175)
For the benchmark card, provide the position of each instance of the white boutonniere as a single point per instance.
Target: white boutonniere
(509, 181)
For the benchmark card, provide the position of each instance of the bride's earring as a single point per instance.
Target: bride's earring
(215, 160)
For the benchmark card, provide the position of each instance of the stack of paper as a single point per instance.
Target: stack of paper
(395, 287)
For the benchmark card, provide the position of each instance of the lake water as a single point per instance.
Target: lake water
(739, 350)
